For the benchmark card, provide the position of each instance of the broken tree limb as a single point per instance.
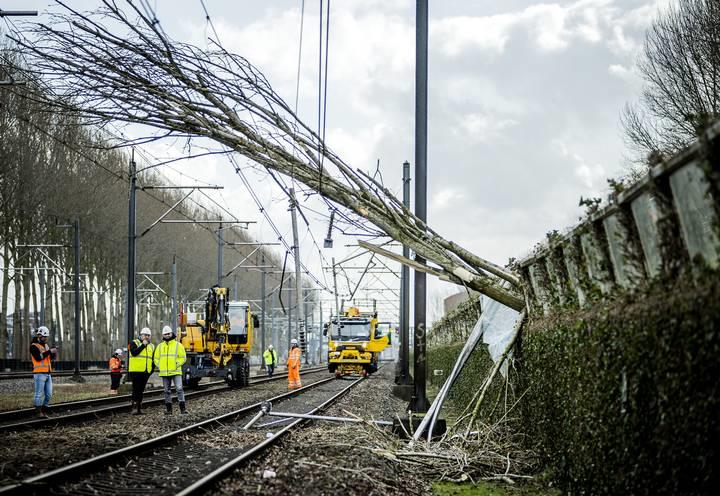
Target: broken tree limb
(496, 369)
(428, 422)
(460, 276)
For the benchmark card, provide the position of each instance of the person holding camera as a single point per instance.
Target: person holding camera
(42, 355)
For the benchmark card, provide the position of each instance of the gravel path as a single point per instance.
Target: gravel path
(329, 458)
(20, 457)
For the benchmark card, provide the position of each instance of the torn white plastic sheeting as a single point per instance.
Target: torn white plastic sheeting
(497, 322)
(495, 326)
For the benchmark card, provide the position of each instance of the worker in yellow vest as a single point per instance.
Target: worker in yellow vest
(140, 367)
(270, 359)
(42, 354)
(169, 359)
(293, 365)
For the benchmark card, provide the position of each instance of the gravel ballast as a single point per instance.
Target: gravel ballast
(327, 458)
(64, 445)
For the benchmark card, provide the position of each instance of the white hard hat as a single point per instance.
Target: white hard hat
(293, 341)
(118, 351)
(270, 347)
(167, 330)
(146, 331)
(43, 331)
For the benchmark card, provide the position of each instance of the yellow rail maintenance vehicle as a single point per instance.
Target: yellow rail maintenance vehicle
(355, 343)
(219, 344)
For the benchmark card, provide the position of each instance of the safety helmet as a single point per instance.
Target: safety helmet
(43, 331)
(118, 351)
(167, 330)
(146, 332)
(270, 347)
(293, 341)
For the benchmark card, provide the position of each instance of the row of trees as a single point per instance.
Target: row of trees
(53, 170)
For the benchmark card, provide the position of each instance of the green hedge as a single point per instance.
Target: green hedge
(624, 398)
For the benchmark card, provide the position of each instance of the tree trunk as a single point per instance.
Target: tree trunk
(4, 304)
(27, 320)
(17, 321)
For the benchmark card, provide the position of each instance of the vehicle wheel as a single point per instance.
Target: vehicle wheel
(242, 376)
(247, 374)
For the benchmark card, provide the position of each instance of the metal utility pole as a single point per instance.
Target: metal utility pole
(298, 280)
(221, 242)
(419, 402)
(306, 327)
(42, 297)
(76, 278)
(337, 303)
(17, 13)
(404, 378)
(173, 286)
(132, 237)
(262, 307)
(320, 349)
(275, 333)
(290, 321)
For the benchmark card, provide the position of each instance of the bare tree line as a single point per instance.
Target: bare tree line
(53, 169)
(116, 65)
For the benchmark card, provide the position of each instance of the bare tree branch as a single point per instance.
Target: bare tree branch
(112, 66)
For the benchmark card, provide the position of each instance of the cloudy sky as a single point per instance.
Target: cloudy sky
(524, 101)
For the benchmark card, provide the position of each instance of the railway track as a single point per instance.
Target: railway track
(186, 461)
(5, 376)
(76, 411)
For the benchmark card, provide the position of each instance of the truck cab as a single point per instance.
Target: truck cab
(355, 343)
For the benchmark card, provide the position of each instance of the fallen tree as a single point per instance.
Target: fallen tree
(116, 64)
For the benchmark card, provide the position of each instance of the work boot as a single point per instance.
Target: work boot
(39, 412)
(136, 408)
(45, 411)
(168, 408)
(182, 408)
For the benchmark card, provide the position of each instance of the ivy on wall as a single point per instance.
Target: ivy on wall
(631, 405)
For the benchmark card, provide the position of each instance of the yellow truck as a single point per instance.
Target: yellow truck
(355, 343)
(218, 341)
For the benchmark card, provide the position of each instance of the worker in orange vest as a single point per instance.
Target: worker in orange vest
(115, 371)
(41, 355)
(293, 365)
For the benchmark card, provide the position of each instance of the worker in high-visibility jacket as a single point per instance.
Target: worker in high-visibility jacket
(169, 358)
(42, 355)
(140, 367)
(293, 365)
(115, 365)
(270, 359)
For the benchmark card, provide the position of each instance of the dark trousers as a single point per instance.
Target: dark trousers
(270, 369)
(139, 381)
(115, 380)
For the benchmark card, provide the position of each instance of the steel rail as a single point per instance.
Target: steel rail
(7, 376)
(89, 414)
(202, 485)
(104, 400)
(70, 472)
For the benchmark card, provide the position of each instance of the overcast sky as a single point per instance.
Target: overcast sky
(524, 101)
